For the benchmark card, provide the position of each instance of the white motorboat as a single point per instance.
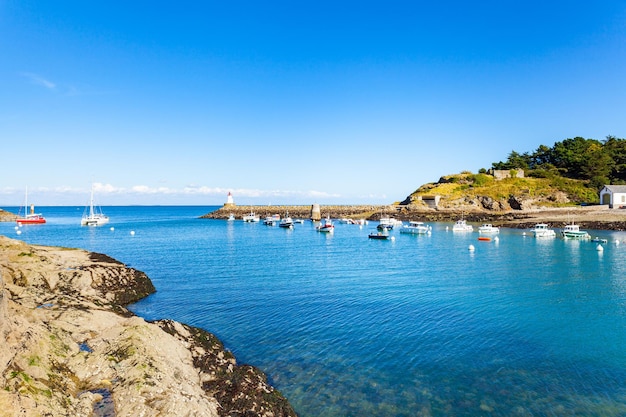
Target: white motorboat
(251, 218)
(326, 226)
(542, 230)
(488, 228)
(286, 222)
(415, 227)
(272, 220)
(388, 223)
(462, 226)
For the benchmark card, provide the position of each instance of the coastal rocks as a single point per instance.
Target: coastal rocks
(6, 216)
(71, 346)
(241, 389)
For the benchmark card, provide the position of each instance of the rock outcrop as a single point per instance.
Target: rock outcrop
(6, 216)
(71, 348)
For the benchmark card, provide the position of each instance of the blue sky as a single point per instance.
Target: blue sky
(293, 102)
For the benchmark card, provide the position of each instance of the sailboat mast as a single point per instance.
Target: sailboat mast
(91, 203)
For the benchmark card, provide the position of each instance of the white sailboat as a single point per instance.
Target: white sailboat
(94, 217)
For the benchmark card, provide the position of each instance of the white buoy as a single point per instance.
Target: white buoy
(19, 232)
(497, 239)
(471, 248)
(524, 234)
(132, 233)
(599, 248)
(17, 228)
(393, 238)
(617, 241)
(112, 228)
(446, 228)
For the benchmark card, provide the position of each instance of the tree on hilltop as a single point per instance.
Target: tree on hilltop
(598, 162)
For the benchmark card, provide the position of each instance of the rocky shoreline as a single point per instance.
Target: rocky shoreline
(598, 217)
(73, 349)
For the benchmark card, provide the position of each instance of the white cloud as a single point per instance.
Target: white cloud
(39, 80)
(144, 193)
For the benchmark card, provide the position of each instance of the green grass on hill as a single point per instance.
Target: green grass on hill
(546, 190)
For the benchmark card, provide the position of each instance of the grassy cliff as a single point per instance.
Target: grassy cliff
(485, 190)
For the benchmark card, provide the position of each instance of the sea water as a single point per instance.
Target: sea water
(344, 325)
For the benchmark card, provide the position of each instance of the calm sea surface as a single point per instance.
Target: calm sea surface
(348, 326)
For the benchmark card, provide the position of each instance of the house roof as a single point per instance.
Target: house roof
(616, 188)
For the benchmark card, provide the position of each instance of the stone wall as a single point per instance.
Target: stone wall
(304, 212)
(500, 174)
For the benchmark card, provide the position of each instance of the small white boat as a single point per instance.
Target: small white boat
(388, 223)
(94, 217)
(462, 226)
(286, 222)
(251, 218)
(272, 220)
(488, 228)
(572, 231)
(381, 234)
(415, 227)
(326, 226)
(359, 222)
(542, 230)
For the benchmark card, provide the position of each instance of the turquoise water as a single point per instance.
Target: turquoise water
(348, 326)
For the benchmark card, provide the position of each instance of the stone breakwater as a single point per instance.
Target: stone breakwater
(304, 212)
(71, 348)
(590, 217)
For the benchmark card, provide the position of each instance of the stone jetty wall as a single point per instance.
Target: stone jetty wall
(304, 212)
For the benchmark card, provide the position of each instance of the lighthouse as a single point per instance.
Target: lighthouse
(229, 201)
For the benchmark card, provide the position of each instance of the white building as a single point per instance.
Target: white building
(614, 196)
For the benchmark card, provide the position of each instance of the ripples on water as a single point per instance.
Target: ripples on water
(347, 326)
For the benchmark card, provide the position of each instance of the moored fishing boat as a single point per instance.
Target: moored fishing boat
(251, 218)
(416, 228)
(382, 234)
(572, 231)
(272, 220)
(488, 228)
(388, 223)
(542, 230)
(462, 226)
(326, 226)
(286, 222)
